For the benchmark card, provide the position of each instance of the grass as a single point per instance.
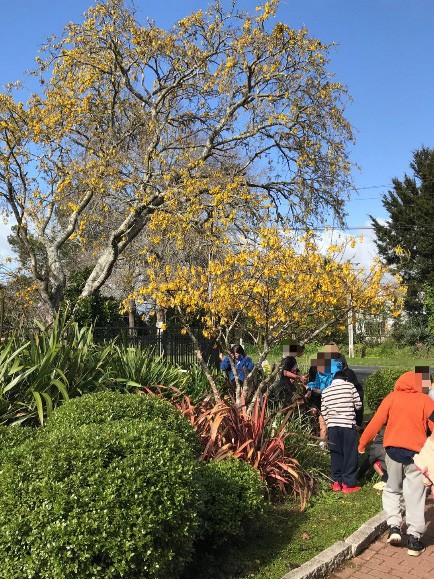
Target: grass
(385, 357)
(289, 537)
(390, 362)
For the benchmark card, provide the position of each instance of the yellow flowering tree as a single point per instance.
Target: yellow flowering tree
(135, 126)
(275, 286)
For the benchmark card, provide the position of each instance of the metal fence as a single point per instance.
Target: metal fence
(174, 346)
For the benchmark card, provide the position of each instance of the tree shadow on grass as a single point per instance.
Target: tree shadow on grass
(287, 537)
(244, 558)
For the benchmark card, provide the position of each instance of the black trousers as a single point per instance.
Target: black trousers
(343, 454)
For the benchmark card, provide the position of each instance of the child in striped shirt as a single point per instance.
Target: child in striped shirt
(339, 403)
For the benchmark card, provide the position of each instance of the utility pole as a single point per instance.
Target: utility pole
(350, 331)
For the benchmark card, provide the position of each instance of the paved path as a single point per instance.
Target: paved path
(383, 561)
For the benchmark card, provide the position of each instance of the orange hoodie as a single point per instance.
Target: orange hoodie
(407, 414)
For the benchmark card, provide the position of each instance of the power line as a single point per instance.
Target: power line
(368, 187)
(352, 228)
(371, 187)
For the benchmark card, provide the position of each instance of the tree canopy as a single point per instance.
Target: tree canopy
(274, 286)
(223, 120)
(406, 240)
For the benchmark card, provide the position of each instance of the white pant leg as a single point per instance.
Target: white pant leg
(414, 496)
(392, 492)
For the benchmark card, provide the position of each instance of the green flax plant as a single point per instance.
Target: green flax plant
(136, 367)
(53, 365)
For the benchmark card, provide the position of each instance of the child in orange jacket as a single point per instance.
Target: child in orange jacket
(407, 414)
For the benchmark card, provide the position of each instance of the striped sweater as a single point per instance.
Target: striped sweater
(339, 403)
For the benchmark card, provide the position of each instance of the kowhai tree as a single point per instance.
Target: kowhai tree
(136, 126)
(276, 285)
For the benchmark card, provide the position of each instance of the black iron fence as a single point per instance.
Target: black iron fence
(174, 346)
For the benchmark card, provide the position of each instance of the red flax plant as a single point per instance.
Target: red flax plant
(226, 428)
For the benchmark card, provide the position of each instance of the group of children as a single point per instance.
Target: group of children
(401, 432)
(402, 448)
(335, 395)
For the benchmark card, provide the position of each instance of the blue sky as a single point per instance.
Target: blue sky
(385, 55)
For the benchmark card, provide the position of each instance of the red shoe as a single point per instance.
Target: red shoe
(336, 486)
(347, 489)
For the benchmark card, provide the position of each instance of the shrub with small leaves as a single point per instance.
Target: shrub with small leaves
(379, 384)
(108, 500)
(233, 499)
(13, 436)
(104, 407)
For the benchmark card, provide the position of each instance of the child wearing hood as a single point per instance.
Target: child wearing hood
(407, 414)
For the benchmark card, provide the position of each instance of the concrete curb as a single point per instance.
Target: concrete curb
(333, 557)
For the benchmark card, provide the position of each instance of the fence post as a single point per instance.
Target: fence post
(164, 341)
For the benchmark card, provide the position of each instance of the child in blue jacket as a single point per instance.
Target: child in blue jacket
(243, 364)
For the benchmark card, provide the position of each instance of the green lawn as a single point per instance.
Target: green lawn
(398, 359)
(290, 538)
(404, 362)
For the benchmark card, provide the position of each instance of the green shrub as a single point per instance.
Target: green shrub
(233, 499)
(196, 385)
(95, 309)
(104, 407)
(412, 331)
(53, 365)
(110, 500)
(379, 384)
(11, 437)
(384, 350)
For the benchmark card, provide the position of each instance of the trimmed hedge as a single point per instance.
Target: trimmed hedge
(106, 406)
(112, 488)
(108, 500)
(13, 436)
(379, 384)
(233, 499)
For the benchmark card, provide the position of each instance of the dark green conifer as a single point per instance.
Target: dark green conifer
(406, 241)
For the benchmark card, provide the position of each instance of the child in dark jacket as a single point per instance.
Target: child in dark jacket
(376, 460)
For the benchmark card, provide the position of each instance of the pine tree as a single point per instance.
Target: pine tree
(406, 241)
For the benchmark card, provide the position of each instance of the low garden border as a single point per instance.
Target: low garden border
(333, 557)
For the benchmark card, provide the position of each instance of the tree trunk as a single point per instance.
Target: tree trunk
(200, 359)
